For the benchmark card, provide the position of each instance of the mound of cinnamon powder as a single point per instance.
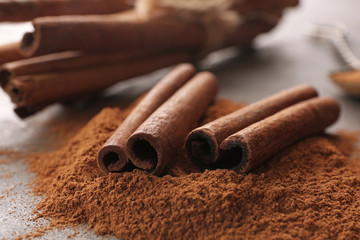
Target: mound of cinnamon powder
(309, 190)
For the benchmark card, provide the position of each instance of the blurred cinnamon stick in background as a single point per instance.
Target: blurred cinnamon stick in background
(127, 31)
(26, 10)
(34, 89)
(124, 31)
(68, 45)
(64, 61)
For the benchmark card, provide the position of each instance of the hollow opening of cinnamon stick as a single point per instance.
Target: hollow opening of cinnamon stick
(15, 91)
(231, 158)
(110, 156)
(202, 148)
(110, 159)
(143, 150)
(4, 78)
(28, 40)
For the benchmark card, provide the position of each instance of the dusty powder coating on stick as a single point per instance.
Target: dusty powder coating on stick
(253, 145)
(202, 143)
(162, 135)
(112, 156)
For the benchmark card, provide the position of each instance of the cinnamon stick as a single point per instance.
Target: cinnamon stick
(112, 156)
(65, 61)
(26, 10)
(202, 144)
(155, 143)
(124, 31)
(10, 52)
(253, 145)
(33, 89)
(128, 30)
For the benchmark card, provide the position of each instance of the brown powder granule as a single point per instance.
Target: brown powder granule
(309, 190)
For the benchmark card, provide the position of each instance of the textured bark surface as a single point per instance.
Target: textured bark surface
(202, 143)
(163, 134)
(112, 156)
(253, 145)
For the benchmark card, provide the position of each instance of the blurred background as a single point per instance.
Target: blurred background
(283, 57)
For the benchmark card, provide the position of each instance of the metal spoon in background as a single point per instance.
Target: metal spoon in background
(349, 81)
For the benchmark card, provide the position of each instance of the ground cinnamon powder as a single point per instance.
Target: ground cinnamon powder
(309, 190)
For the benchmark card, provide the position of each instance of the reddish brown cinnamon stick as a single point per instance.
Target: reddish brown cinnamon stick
(156, 142)
(202, 143)
(124, 31)
(48, 87)
(129, 30)
(253, 145)
(26, 10)
(10, 52)
(112, 156)
(64, 62)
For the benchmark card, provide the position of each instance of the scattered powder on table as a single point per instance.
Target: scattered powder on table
(309, 190)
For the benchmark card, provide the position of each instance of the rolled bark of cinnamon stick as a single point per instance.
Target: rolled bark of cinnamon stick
(26, 10)
(112, 156)
(124, 31)
(65, 61)
(202, 144)
(10, 52)
(253, 145)
(155, 143)
(34, 89)
(127, 31)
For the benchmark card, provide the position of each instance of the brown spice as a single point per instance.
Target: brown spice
(309, 190)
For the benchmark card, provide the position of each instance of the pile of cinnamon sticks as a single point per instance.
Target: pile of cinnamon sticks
(163, 123)
(72, 56)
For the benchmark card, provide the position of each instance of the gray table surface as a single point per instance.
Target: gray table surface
(284, 57)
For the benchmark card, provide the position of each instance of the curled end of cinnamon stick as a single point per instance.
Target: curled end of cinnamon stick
(202, 148)
(27, 41)
(112, 159)
(5, 76)
(28, 44)
(19, 90)
(233, 155)
(145, 152)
